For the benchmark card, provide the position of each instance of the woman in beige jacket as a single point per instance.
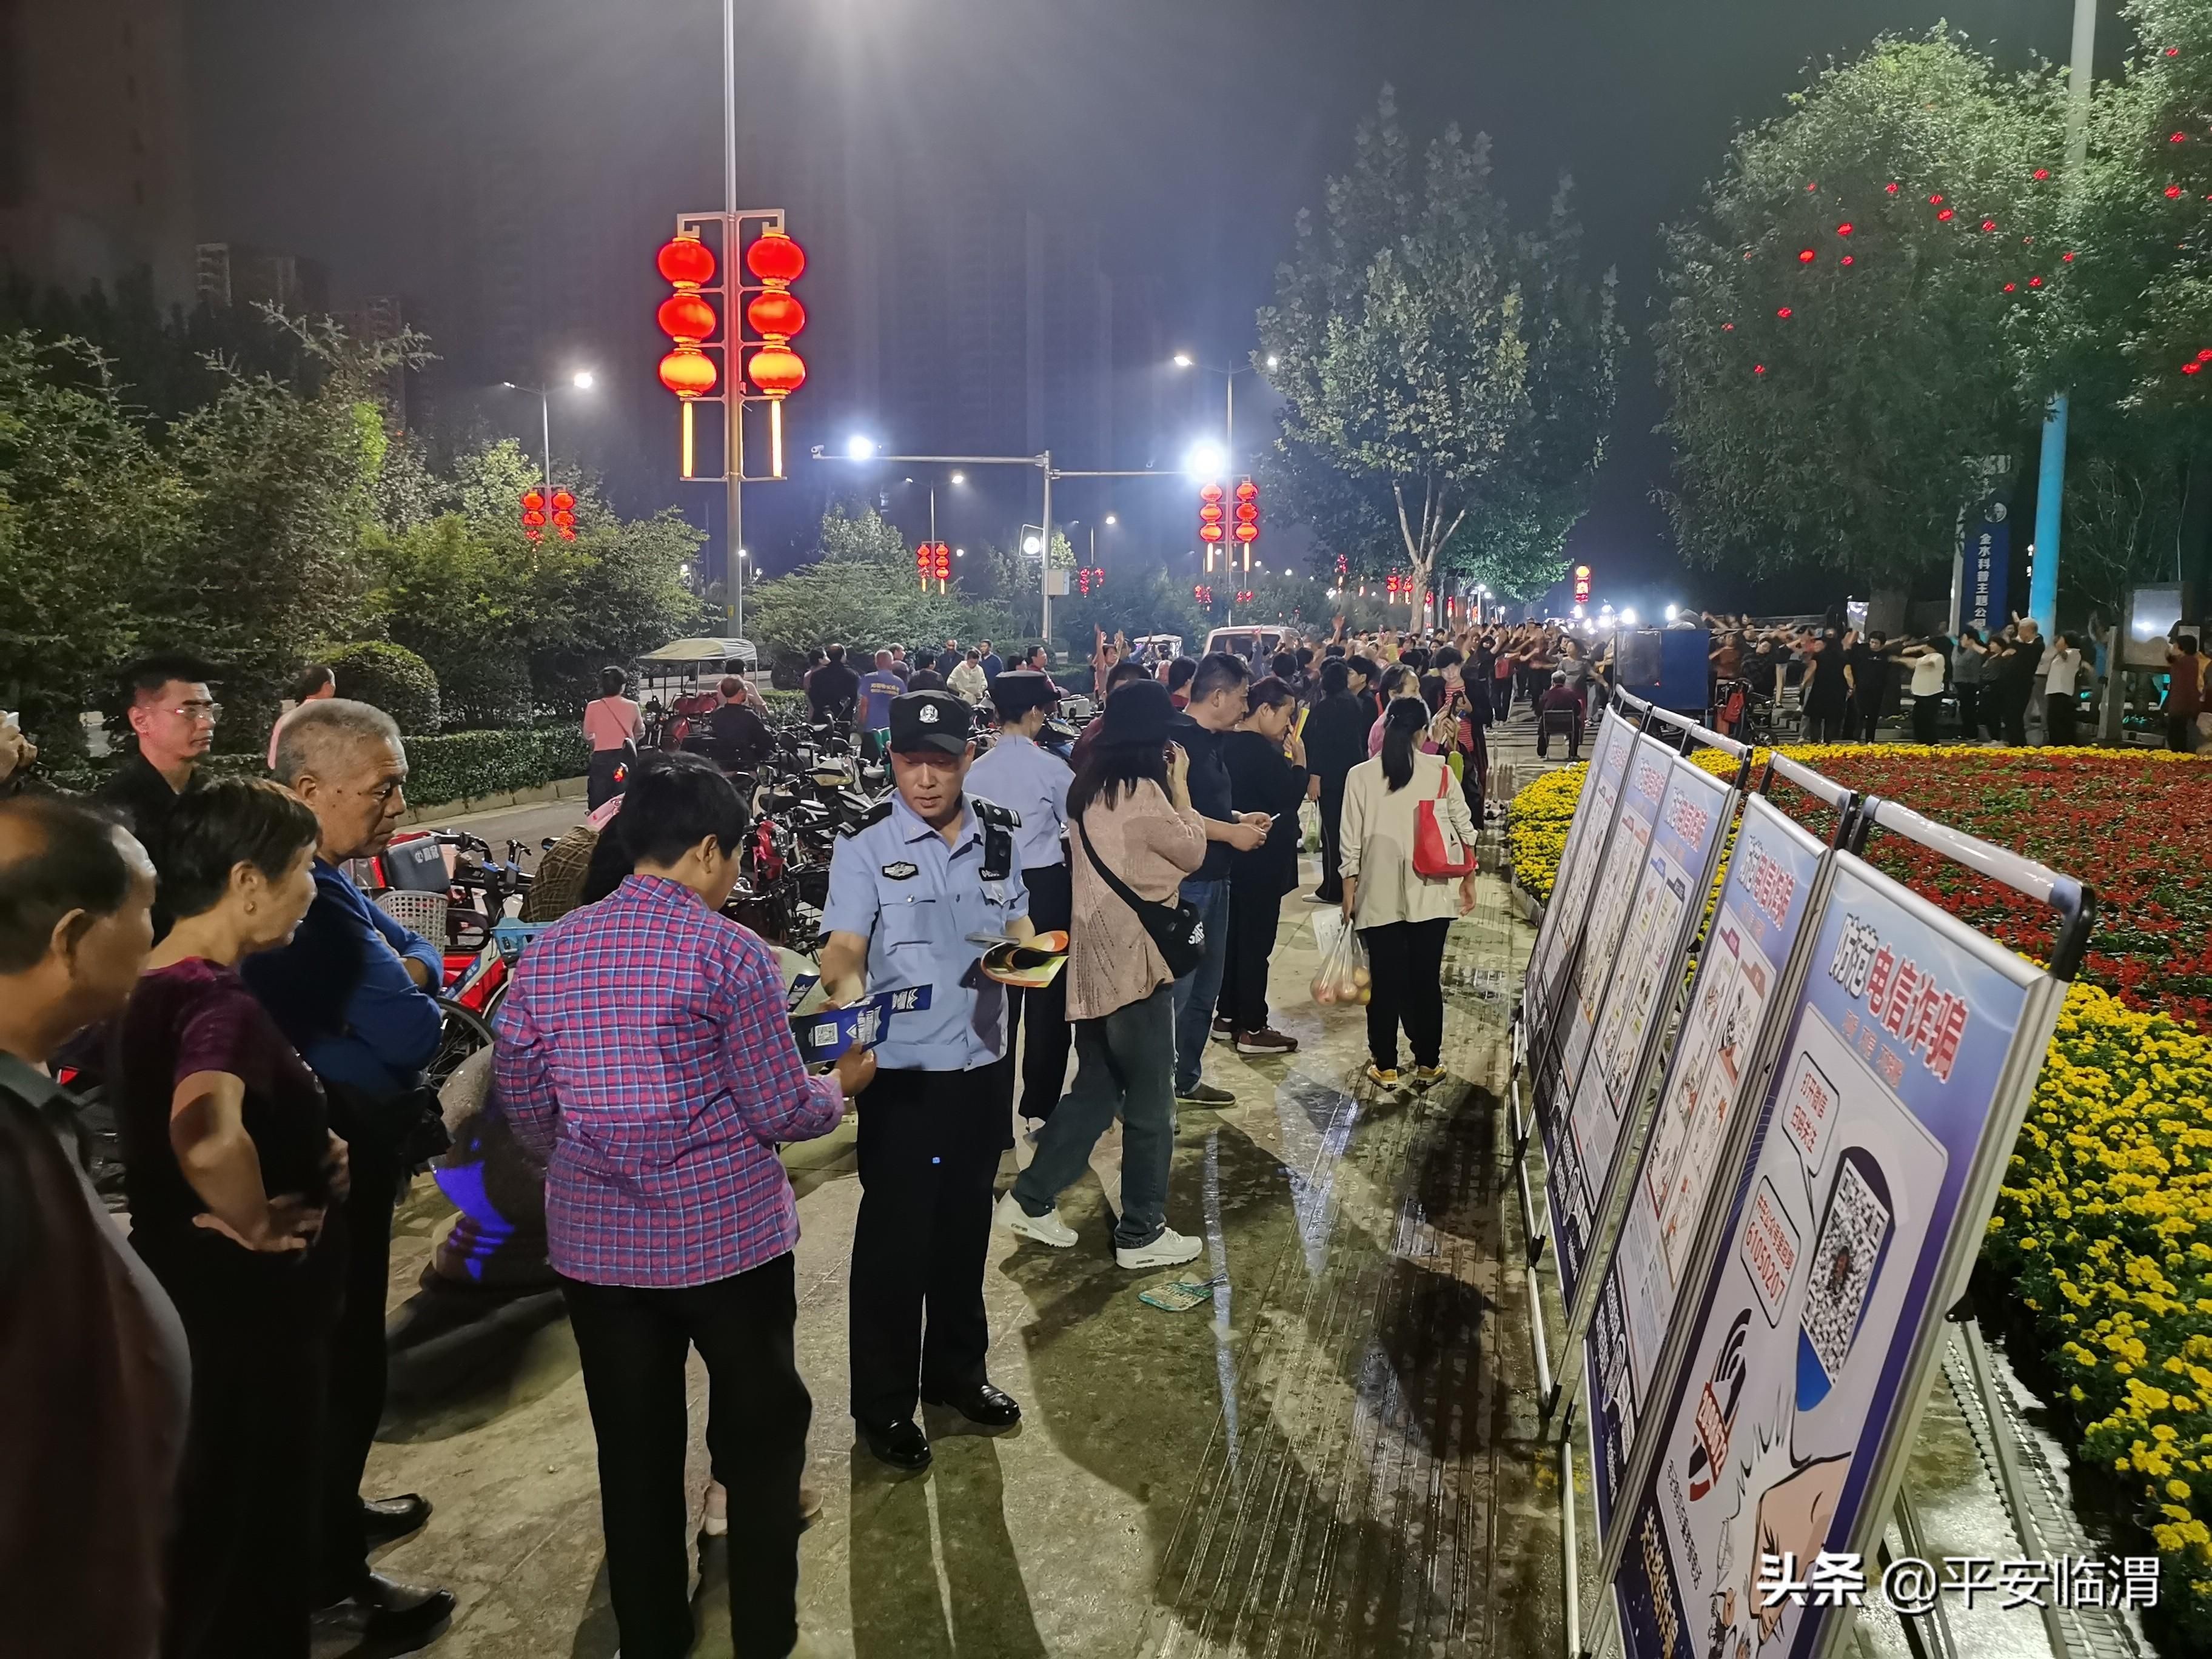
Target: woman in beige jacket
(1401, 914)
(1128, 810)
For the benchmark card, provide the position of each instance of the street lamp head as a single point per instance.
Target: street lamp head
(583, 379)
(1206, 462)
(858, 448)
(1274, 361)
(960, 477)
(1628, 617)
(1032, 546)
(959, 552)
(1183, 360)
(1111, 519)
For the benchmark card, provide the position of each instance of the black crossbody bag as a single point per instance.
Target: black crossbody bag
(1176, 929)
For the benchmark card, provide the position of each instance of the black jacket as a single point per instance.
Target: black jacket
(1263, 779)
(1336, 737)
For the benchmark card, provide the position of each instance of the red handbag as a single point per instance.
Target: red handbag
(1438, 849)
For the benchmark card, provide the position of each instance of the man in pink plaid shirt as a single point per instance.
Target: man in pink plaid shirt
(646, 1051)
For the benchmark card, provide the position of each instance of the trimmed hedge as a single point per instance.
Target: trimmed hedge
(391, 677)
(467, 765)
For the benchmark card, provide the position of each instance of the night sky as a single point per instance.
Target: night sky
(1192, 131)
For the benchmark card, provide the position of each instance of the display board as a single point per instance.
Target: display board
(1904, 1069)
(1711, 1082)
(1585, 843)
(1665, 905)
(1651, 765)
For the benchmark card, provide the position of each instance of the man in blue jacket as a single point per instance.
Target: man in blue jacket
(356, 993)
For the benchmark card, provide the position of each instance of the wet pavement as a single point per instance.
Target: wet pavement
(1332, 1455)
(1338, 1453)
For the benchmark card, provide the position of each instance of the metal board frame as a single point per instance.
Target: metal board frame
(1870, 1484)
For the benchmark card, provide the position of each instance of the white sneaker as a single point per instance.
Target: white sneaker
(1165, 1251)
(1046, 1229)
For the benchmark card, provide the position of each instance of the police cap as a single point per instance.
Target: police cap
(931, 720)
(1014, 693)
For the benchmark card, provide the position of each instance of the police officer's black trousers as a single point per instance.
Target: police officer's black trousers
(1044, 1048)
(929, 1146)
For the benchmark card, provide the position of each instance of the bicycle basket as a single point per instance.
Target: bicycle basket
(420, 913)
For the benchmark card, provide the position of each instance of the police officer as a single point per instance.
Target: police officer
(909, 883)
(1019, 775)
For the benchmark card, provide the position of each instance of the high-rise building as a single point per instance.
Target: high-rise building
(233, 274)
(96, 178)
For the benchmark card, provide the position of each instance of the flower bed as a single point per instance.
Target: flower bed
(2136, 824)
(2103, 1230)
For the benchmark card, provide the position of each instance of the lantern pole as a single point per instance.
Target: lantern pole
(1044, 569)
(734, 469)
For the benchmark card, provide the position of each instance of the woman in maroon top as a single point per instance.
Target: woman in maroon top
(229, 1162)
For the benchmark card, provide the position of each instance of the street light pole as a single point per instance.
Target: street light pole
(545, 428)
(733, 512)
(2050, 473)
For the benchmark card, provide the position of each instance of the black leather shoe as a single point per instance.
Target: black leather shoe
(988, 1406)
(901, 1444)
(389, 1617)
(388, 1520)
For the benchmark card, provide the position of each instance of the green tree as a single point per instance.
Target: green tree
(1441, 375)
(90, 518)
(1850, 316)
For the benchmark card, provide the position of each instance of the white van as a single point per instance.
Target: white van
(1257, 646)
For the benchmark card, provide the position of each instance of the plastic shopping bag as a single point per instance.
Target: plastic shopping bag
(1342, 978)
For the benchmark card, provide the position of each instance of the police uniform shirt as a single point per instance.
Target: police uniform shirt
(895, 884)
(1022, 777)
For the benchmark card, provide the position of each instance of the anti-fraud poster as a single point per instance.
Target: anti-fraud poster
(1668, 901)
(1855, 1180)
(1585, 837)
(1650, 764)
(1755, 925)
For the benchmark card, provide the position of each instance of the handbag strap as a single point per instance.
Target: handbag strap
(1121, 889)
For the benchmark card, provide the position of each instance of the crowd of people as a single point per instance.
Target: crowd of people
(196, 949)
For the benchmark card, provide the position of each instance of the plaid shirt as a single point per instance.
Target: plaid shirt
(646, 1051)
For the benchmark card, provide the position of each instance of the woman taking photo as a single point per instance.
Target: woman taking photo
(1401, 914)
(229, 1162)
(1131, 823)
(612, 725)
(1266, 766)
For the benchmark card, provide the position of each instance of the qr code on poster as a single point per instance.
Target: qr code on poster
(1843, 1265)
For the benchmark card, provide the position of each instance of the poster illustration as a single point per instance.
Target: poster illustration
(1665, 907)
(1650, 764)
(1563, 917)
(1755, 925)
(1874, 1120)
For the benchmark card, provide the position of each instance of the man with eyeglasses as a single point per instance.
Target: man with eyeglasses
(172, 715)
(356, 993)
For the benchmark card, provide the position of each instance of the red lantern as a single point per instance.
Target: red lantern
(775, 315)
(1785, 314)
(1844, 229)
(686, 318)
(687, 262)
(776, 369)
(2173, 192)
(775, 259)
(533, 502)
(1892, 188)
(1848, 260)
(2041, 174)
(1989, 224)
(1807, 256)
(688, 372)
(2192, 368)
(1944, 216)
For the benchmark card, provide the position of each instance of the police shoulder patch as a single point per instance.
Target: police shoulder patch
(876, 814)
(901, 871)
